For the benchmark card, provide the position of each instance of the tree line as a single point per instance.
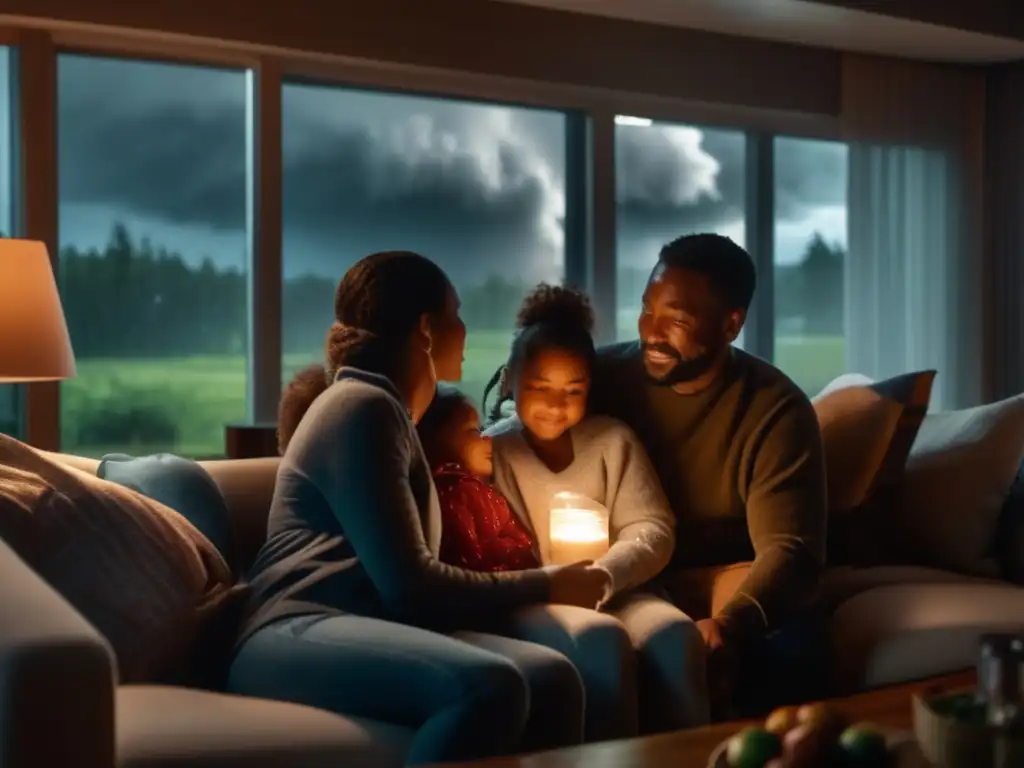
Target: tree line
(135, 299)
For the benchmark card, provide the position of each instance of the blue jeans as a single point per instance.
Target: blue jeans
(466, 697)
(642, 661)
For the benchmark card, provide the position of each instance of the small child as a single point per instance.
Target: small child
(479, 531)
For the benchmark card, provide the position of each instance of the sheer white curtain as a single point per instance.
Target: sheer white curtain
(914, 267)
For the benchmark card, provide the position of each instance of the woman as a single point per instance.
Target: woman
(352, 545)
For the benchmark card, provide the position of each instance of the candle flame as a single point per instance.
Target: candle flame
(578, 525)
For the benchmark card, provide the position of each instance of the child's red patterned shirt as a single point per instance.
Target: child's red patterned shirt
(479, 532)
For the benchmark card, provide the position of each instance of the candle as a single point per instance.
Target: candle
(577, 533)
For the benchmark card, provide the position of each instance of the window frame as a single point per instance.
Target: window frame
(590, 250)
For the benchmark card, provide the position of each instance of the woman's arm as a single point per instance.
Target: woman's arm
(642, 524)
(365, 447)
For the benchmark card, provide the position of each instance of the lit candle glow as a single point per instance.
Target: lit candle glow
(577, 533)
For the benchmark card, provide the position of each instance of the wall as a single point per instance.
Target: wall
(494, 38)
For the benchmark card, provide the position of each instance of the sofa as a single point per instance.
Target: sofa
(61, 707)
(883, 623)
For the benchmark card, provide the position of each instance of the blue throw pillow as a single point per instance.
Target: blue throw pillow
(181, 484)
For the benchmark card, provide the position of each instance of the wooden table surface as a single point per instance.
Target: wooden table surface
(889, 707)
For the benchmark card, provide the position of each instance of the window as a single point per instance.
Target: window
(810, 255)
(478, 188)
(153, 254)
(671, 180)
(11, 395)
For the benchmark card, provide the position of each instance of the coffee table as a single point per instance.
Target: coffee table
(889, 707)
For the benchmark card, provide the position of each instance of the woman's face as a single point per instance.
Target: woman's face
(448, 339)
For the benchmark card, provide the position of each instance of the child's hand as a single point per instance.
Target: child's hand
(579, 584)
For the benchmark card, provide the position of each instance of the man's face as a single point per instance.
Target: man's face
(684, 326)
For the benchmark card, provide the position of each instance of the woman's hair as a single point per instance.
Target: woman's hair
(551, 317)
(447, 400)
(377, 306)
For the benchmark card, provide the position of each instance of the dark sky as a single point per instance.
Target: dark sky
(477, 187)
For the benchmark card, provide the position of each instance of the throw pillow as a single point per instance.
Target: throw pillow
(181, 484)
(867, 429)
(958, 475)
(1009, 548)
(134, 568)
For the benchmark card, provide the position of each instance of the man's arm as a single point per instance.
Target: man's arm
(786, 517)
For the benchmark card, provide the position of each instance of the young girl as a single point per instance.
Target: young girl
(479, 531)
(552, 445)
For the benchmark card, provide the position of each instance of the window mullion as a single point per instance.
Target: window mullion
(35, 101)
(603, 212)
(759, 333)
(264, 212)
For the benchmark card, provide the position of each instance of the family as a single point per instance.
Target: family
(407, 575)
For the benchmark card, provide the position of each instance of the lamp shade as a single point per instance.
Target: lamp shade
(34, 341)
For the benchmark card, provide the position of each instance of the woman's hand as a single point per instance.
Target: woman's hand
(580, 584)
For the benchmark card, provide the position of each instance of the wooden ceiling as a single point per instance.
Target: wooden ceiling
(966, 31)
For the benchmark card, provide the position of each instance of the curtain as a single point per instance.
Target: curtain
(914, 272)
(1004, 204)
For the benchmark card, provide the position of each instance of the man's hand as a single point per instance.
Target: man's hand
(581, 584)
(722, 662)
(711, 631)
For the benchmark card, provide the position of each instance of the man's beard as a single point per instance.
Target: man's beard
(684, 370)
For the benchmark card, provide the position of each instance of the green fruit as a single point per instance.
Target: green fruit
(752, 748)
(864, 746)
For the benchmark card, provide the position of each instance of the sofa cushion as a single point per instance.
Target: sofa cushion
(957, 478)
(867, 429)
(161, 727)
(1010, 532)
(248, 488)
(181, 484)
(904, 632)
(134, 568)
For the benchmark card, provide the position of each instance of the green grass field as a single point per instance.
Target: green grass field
(182, 405)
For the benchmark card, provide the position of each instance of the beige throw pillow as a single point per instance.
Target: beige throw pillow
(957, 477)
(867, 429)
(137, 570)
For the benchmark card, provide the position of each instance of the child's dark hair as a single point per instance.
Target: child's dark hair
(551, 317)
(296, 398)
(447, 400)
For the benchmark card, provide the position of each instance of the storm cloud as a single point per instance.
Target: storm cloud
(477, 187)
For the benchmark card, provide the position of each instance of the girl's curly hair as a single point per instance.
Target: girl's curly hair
(551, 317)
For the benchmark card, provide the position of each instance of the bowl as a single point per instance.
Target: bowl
(950, 741)
(902, 746)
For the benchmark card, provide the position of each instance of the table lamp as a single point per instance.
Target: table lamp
(579, 528)
(34, 341)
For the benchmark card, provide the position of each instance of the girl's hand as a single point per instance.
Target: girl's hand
(579, 584)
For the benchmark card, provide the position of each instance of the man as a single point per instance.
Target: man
(735, 442)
